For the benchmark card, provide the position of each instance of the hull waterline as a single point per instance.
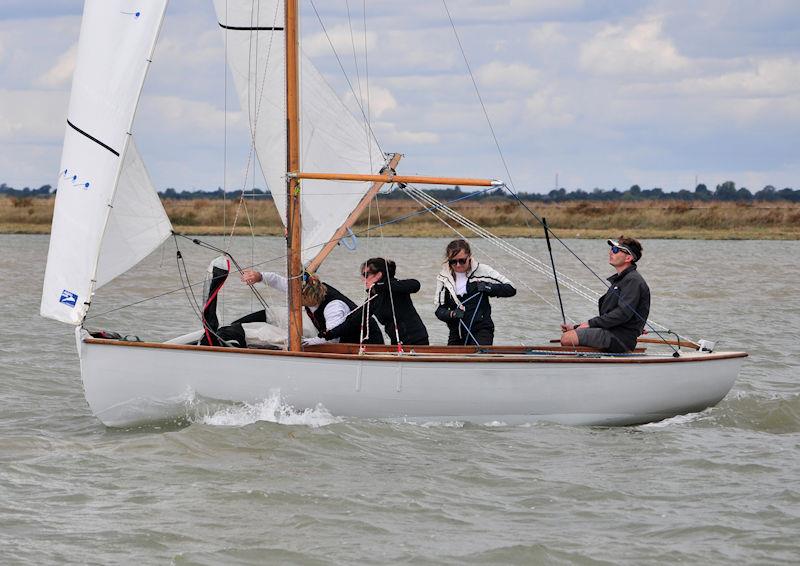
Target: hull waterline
(128, 384)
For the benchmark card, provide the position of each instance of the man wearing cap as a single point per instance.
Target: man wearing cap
(623, 309)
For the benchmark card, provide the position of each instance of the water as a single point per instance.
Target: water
(265, 484)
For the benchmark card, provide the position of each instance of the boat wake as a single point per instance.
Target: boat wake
(677, 420)
(273, 410)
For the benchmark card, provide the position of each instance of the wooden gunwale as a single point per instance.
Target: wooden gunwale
(437, 355)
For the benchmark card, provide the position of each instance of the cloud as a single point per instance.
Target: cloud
(380, 101)
(766, 78)
(548, 109)
(508, 76)
(30, 116)
(60, 74)
(641, 51)
(402, 138)
(546, 37)
(344, 42)
(606, 92)
(171, 115)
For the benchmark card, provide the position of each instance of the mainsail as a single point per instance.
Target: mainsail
(107, 216)
(331, 138)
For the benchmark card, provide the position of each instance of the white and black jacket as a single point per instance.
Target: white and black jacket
(482, 282)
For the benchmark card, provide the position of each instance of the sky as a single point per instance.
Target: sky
(588, 93)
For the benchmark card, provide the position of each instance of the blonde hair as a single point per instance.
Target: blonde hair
(314, 290)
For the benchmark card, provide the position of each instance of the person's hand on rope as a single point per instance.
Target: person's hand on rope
(484, 287)
(457, 313)
(250, 276)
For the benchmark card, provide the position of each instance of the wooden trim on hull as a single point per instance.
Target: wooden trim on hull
(494, 354)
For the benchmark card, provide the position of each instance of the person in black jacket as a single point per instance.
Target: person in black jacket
(623, 309)
(325, 305)
(463, 288)
(389, 301)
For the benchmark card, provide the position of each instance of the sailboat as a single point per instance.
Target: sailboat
(108, 217)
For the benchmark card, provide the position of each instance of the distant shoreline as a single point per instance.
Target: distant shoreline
(583, 219)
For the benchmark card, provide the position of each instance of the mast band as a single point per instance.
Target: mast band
(94, 139)
(238, 28)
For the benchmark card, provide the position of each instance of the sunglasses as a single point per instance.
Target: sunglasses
(617, 249)
(458, 261)
(366, 274)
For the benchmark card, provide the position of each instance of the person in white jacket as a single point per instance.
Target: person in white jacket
(463, 288)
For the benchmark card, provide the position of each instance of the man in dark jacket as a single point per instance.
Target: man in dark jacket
(623, 309)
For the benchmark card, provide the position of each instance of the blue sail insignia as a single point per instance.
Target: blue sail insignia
(68, 298)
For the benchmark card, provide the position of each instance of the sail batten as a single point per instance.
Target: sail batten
(92, 138)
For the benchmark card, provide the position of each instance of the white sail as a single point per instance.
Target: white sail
(138, 223)
(116, 44)
(332, 140)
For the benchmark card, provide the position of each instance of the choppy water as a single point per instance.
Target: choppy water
(265, 484)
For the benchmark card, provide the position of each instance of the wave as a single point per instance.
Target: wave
(274, 410)
(776, 414)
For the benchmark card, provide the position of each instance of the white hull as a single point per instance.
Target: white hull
(129, 384)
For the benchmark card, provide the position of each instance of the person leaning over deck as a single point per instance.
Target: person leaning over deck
(623, 309)
(326, 307)
(388, 305)
(463, 288)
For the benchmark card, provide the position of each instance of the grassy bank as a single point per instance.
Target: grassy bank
(644, 219)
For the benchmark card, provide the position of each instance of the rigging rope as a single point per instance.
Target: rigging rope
(366, 76)
(478, 93)
(388, 280)
(500, 150)
(479, 248)
(347, 78)
(253, 119)
(526, 258)
(532, 262)
(367, 120)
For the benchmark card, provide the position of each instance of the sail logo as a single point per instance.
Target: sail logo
(68, 298)
(76, 182)
(134, 14)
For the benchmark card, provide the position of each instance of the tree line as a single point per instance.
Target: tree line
(726, 191)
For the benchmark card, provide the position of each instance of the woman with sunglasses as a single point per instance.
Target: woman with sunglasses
(389, 301)
(463, 288)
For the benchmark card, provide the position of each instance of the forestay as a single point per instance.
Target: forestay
(331, 138)
(107, 216)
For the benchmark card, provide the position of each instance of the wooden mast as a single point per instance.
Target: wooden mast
(294, 267)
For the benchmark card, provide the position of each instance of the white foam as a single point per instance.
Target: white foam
(273, 410)
(676, 421)
(434, 424)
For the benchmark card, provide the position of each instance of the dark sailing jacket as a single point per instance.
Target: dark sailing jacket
(409, 324)
(352, 332)
(477, 310)
(625, 307)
